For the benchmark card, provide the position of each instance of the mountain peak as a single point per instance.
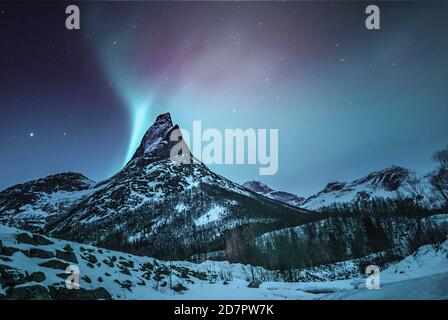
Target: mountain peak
(257, 186)
(164, 118)
(389, 178)
(263, 189)
(157, 133)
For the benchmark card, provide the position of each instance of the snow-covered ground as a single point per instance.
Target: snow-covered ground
(423, 275)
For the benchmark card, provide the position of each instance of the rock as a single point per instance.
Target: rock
(35, 239)
(6, 259)
(25, 238)
(199, 275)
(37, 277)
(38, 253)
(68, 248)
(41, 240)
(179, 288)
(127, 264)
(147, 275)
(124, 270)
(62, 293)
(89, 258)
(67, 256)
(10, 277)
(9, 251)
(63, 275)
(35, 292)
(254, 284)
(126, 284)
(54, 264)
(147, 267)
(109, 262)
(141, 282)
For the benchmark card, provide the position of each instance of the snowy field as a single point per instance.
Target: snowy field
(27, 260)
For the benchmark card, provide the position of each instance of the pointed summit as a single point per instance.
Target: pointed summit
(155, 135)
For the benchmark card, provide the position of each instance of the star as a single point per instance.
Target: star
(31, 134)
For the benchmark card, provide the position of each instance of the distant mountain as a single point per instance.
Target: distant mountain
(281, 196)
(387, 183)
(34, 204)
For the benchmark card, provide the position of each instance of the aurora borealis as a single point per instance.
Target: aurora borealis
(346, 100)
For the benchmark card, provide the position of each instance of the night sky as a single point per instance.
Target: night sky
(346, 100)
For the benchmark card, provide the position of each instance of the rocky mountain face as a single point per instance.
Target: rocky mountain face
(34, 204)
(281, 196)
(167, 208)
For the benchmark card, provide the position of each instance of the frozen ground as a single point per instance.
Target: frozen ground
(423, 275)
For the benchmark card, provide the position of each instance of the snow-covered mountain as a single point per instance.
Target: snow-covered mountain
(281, 196)
(34, 204)
(387, 183)
(155, 205)
(34, 267)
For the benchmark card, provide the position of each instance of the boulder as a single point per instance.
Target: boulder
(10, 277)
(62, 293)
(38, 253)
(54, 264)
(35, 292)
(34, 239)
(67, 256)
(41, 240)
(179, 288)
(37, 277)
(86, 279)
(254, 284)
(25, 238)
(89, 258)
(9, 251)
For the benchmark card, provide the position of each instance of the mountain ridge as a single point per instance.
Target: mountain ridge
(389, 182)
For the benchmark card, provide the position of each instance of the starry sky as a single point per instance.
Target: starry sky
(346, 101)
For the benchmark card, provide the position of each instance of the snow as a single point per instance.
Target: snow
(422, 275)
(214, 214)
(181, 207)
(434, 287)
